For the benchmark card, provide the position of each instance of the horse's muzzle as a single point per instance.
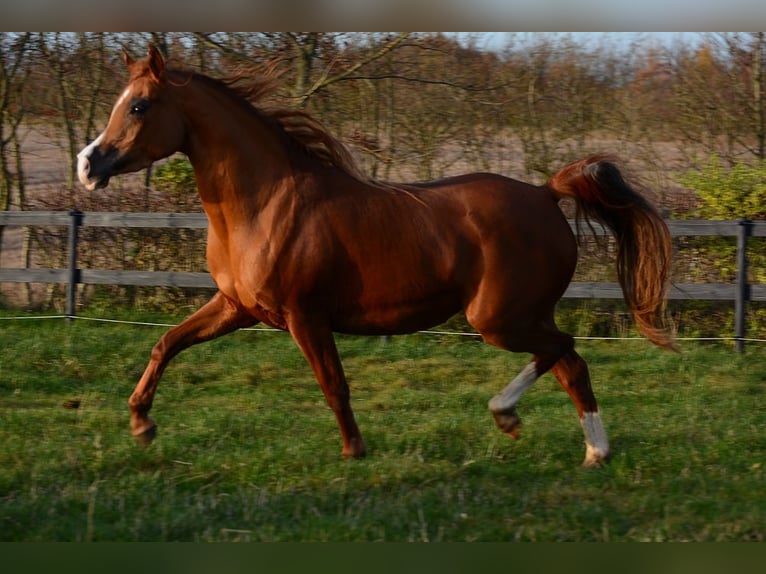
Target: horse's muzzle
(93, 166)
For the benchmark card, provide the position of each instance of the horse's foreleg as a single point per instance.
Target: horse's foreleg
(217, 317)
(318, 346)
(572, 373)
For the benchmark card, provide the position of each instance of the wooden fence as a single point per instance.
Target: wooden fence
(739, 292)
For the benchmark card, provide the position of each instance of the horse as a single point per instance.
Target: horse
(301, 240)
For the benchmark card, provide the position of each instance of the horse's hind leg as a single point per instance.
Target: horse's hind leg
(503, 405)
(217, 317)
(572, 373)
(547, 347)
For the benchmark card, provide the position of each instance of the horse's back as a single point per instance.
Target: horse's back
(502, 212)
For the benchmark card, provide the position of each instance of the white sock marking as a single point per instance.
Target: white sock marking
(596, 443)
(511, 394)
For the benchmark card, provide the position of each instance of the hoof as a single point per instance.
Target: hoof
(355, 449)
(509, 422)
(595, 458)
(146, 434)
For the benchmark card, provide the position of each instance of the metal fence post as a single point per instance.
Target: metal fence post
(743, 288)
(75, 220)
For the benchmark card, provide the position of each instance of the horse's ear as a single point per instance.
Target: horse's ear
(156, 63)
(126, 57)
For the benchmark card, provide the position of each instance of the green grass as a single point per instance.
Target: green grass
(247, 449)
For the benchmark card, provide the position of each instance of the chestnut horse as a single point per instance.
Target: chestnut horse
(300, 240)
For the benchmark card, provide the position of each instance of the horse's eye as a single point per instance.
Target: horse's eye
(138, 108)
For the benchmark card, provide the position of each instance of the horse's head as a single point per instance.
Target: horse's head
(144, 125)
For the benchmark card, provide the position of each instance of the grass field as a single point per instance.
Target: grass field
(247, 449)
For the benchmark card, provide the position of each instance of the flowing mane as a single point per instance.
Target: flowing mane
(253, 87)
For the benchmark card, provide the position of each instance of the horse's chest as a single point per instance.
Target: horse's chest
(269, 317)
(246, 271)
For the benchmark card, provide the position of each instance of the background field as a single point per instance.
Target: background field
(247, 449)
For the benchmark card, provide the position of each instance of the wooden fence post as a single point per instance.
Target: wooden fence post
(75, 220)
(743, 288)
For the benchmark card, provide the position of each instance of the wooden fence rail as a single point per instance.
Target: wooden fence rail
(740, 292)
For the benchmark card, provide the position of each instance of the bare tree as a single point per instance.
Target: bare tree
(759, 92)
(571, 93)
(719, 91)
(13, 74)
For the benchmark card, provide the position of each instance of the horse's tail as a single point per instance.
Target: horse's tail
(601, 193)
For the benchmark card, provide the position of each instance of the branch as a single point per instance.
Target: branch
(208, 41)
(325, 81)
(464, 87)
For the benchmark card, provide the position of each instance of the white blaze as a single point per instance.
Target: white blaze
(83, 163)
(83, 158)
(121, 99)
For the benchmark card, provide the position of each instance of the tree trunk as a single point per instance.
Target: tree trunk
(759, 60)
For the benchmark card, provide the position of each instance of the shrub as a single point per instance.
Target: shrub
(175, 179)
(729, 192)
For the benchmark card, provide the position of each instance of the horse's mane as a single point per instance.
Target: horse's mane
(253, 87)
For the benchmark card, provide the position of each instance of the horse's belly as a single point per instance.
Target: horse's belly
(395, 317)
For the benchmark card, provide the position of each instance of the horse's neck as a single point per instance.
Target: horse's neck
(238, 159)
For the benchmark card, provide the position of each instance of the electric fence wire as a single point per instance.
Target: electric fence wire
(427, 332)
